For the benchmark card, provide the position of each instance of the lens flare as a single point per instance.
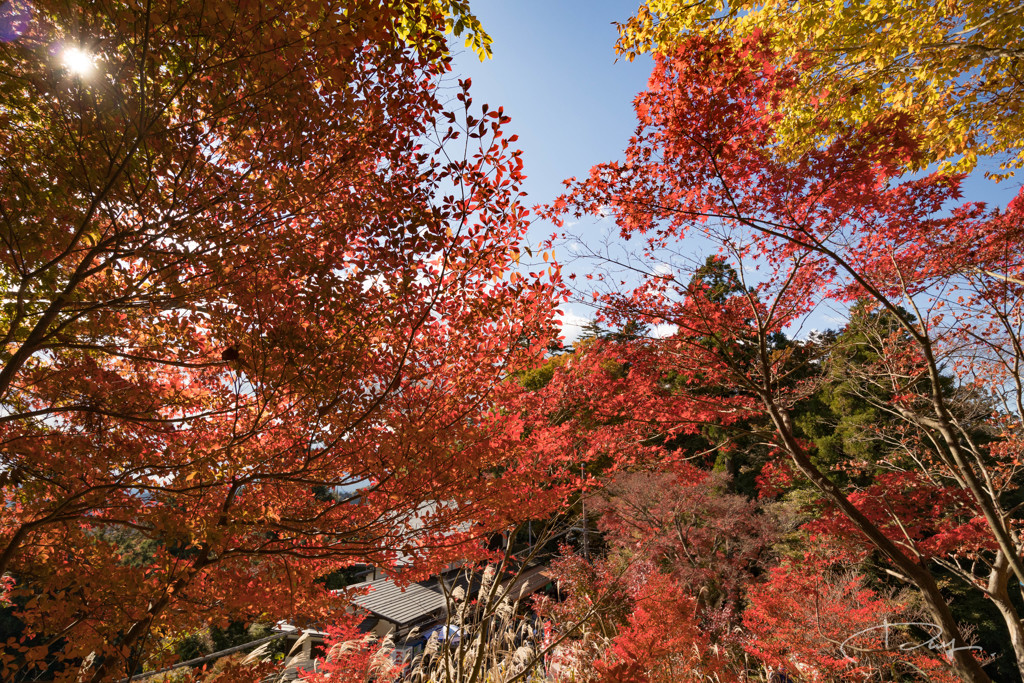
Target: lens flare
(78, 61)
(15, 16)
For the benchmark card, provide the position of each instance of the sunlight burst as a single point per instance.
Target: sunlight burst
(79, 61)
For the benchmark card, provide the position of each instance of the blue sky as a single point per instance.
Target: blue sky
(555, 72)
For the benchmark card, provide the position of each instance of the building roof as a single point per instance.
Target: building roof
(529, 582)
(419, 601)
(401, 606)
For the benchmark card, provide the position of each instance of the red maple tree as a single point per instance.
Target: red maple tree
(710, 541)
(819, 625)
(255, 306)
(626, 621)
(834, 224)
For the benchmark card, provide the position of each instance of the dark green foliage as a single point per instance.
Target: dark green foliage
(191, 646)
(593, 330)
(135, 549)
(632, 329)
(719, 277)
(847, 418)
(217, 638)
(236, 633)
(345, 577)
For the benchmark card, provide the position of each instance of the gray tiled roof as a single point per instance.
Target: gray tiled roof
(388, 601)
(418, 601)
(529, 582)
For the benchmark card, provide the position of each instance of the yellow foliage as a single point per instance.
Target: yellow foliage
(458, 21)
(954, 66)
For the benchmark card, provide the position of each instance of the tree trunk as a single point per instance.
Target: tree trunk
(999, 593)
(962, 660)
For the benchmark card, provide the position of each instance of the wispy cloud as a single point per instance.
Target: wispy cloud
(663, 330)
(572, 325)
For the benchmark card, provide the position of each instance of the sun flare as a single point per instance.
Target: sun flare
(78, 61)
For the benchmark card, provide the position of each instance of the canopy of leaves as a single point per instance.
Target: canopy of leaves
(830, 225)
(254, 307)
(952, 68)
